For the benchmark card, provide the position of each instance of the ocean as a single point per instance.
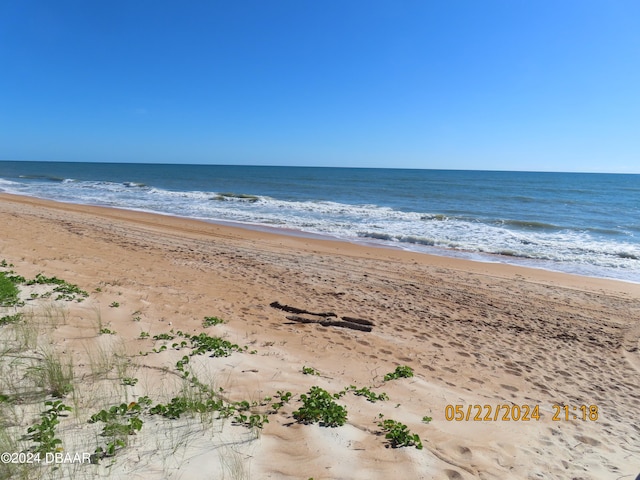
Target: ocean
(581, 223)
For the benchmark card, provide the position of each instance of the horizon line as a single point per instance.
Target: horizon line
(319, 166)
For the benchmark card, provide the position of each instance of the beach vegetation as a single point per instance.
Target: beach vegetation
(318, 406)
(9, 293)
(246, 418)
(108, 450)
(216, 346)
(25, 333)
(129, 381)
(283, 398)
(398, 434)
(362, 392)
(144, 335)
(106, 331)
(8, 319)
(52, 374)
(401, 371)
(65, 290)
(164, 336)
(101, 359)
(114, 304)
(184, 404)
(309, 371)
(43, 434)
(52, 315)
(211, 321)
(13, 277)
(120, 421)
(368, 394)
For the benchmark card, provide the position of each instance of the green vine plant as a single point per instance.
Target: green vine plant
(211, 321)
(401, 371)
(200, 344)
(182, 404)
(253, 420)
(368, 394)
(120, 421)
(44, 433)
(129, 381)
(9, 292)
(65, 290)
(283, 398)
(309, 371)
(398, 434)
(9, 319)
(318, 406)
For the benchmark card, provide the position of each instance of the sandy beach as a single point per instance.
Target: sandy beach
(475, 334)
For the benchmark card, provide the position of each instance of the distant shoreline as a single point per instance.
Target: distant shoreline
(323, 166)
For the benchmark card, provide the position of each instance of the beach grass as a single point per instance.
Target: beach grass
(53, 374)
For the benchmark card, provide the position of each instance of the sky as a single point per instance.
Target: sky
(458, 84)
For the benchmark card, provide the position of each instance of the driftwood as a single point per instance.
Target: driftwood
(326, 318)
(361, 321)
(289, 309)
(331, 323)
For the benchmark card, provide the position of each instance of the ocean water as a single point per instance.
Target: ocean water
(588, 224)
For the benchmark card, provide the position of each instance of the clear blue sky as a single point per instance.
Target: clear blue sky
(466, 84)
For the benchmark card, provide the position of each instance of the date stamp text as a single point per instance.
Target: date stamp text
(518, 413)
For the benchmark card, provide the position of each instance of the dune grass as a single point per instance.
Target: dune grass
(53, 374)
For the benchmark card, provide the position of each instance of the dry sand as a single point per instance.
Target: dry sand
(474, 333)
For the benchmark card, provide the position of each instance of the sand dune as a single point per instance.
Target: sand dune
(473, 333)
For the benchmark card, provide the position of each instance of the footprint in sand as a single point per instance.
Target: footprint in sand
(465, 452)
(511, 388)
(588, 440)
(453, 474)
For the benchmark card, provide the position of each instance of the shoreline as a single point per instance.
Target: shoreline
(475, 334)
(341, 244)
